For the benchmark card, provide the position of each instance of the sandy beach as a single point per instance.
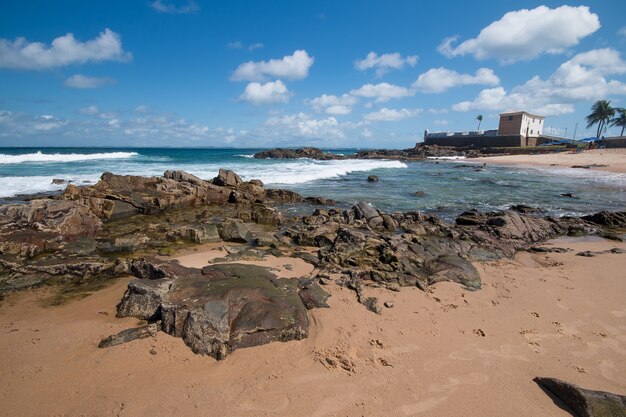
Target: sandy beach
(610, 160)
(447, 351)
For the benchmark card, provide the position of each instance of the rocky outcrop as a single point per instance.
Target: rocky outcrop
(419, 152)
(412, 249)
(119, 215)
(118, 196)
(584, 402)
(221, 307)
(50, 216)
(283, 153)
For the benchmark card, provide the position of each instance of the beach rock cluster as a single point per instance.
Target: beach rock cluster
(79, 235)
(220, 307)
(413, 249)
(92, 233)
(119, 196)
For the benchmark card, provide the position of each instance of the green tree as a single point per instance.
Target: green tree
(480, 120)
(601, 114)
(620, 120)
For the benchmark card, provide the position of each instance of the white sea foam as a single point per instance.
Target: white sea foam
(583, 175)
(63, 157)
(282, 172)
(12, 186)
(306, 170)
(249, 156)
(446, 158)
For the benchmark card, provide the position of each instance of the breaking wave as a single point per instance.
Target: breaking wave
(306, 170)
(63, 157)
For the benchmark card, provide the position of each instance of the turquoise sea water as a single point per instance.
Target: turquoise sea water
(449, 187)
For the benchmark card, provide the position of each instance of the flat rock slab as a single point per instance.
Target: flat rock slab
(586, 403)
(220, 307)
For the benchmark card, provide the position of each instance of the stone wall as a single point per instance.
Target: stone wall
(535, 141)
(510, 127)
(475, 141)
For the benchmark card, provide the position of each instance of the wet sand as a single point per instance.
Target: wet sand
(614, 159)
(444, 352)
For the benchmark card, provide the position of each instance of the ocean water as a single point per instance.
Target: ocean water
(448, 186)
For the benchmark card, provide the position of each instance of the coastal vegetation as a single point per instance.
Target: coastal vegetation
(601, 114)
(620, 120)
(480, 120)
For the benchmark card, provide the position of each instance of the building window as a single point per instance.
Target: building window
(510, 117)
(531, 132)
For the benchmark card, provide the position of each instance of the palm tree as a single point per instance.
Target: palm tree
(620, 120)
(480, 120)
(601, 113)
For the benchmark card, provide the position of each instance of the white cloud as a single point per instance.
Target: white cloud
(303, 125)
(385, 62)
(83, 81)
(64, 50)
(294, 66)
(382, 92)
(526, 34)
(89, 110)
(142, 108)
(107, 115)
(236, 45)
(190, 7)
(339, 110)
(391, 115)
(582, 78)
(438, 111)
(240, 45)
(440, 122)
(366, 133)
(146, 129)
(438, 80)
(270, 92)
(330, 104)
(622, 32)
(47, 122)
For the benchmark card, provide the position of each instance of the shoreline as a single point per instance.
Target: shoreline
(614, 160)
(443, 351)
(416, 303)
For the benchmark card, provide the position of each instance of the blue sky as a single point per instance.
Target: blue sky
(290, 73)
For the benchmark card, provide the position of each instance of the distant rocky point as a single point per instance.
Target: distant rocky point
(419, 152)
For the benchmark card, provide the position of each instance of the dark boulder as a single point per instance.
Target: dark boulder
(227, 178)
(222, 307)
(584, 402)
(607, 218)
(372, 178)
(283, 196)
